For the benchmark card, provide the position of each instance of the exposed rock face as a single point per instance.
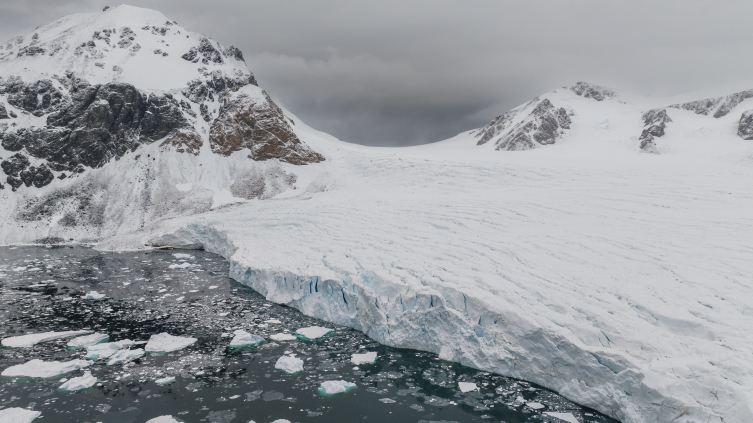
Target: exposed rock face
(496, 127)
(184, 141)
(250, 119)
(717, 107)
(207, 53)
(3, 112)
(543, 126)
(37, 98)
(586, 90)
(13, 167)
(654, 123)
(745, 127)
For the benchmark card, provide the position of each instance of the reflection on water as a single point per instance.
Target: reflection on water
(154, 292)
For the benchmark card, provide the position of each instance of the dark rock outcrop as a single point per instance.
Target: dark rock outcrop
(38, 98)
(745, 127)
(596, 92)
(38, 176)
(720, 106)
(495, 127)
(3, 112)
(234, 52)
(541, 127)
(248, 121)
(205, 52)
(654, 123)
(13, 167)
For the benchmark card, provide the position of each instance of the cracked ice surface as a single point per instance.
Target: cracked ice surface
(26, 341)
(45, 369)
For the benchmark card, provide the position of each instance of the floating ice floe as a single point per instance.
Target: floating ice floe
(280, 337)
(93, 295)
(387, 400)
(97, 351)
(88, 340)
(568, 417)
(125, 355)
(332, 387)
(289, 364)
(276, 421)
(18, 415)
(182, 256)
(245, 339)
(165, 380)
(467, 387)
(313, 333)
(79, 383)
(45, 369)
(164, 419)
(26, 341)
(164, 342)
(184, 265)
(535, 405)
(365, 358)
(275, 321)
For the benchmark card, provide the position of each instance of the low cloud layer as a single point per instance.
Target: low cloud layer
(410, 72)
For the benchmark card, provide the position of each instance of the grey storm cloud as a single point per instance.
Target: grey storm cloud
(415, 71)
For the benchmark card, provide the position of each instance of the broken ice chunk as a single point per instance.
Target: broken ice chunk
(18, 415)
(467, 387)
(164, 419)
(26, 341)
(568, 417)
(332, 387)
(79, 383)
(275, 321)
(365, 358)
(87, 340)
(313, 333)
(125, 355)
(95, 352)
(45, 369)
(387, 400)
(245, 339)
(276, 421)
(93, 295)
(535, 405)
(165, 380)
(164, 342)
(184, 265)
(289, 364)
(182, 256)
(279, 337)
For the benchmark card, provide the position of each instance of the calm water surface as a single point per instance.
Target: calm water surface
(41, 290)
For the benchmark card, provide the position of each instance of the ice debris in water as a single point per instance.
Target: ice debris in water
(467, 386)
(568, 417)
(277, 421)
(365, 358)
(245, 339)
(93, 295)
(182, 256)
(79, 383)
(289, 364)
(125, 355)
(185, 265)
(45, 369)
(535, 405)
(87, 340)
(164, 342)
(313, 333)
(280, 337)
(97, 351)
(18, 415)
(26, 341)
(332, 387)
(164, 419)
(165, 380)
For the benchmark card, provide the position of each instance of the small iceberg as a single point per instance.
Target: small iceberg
(289, 364)
(467, 387)
(164, 342)
(332, 387)
(164, 419)
(125, 356)
(45, 369)
(165, 380)
(313, 333)
(87, 340)
(244, 339)
(18, 415)
(79, 383)
(27, 341)
(182, 256)
(94, 296)
(365, 358)
(535, 405)
(568, 417)
(98, 351)
(281, 337)
(184, 265)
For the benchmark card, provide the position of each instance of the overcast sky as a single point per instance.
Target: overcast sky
(408, 72)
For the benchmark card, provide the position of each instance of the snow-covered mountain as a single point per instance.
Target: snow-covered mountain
(580, 261)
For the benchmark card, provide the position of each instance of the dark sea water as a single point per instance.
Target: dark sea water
(41, 290)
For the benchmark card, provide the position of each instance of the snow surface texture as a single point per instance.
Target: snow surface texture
(164, 342)
(18, 415)
(365, 358)
(289, 364)
(88, 340)
(27, 341)
(332, 387)
(45, 369)
(79, 383)
(617, 278)
(245, 339)
(282, 337)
